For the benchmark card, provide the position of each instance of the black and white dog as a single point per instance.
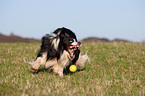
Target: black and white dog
(58, 51)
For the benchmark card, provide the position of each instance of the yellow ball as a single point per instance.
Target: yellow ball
(73, 68)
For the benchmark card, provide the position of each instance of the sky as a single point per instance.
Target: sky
(124, 19)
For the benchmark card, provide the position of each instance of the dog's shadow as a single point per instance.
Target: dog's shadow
(66, 71)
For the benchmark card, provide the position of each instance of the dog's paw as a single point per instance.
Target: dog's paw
(60, 74)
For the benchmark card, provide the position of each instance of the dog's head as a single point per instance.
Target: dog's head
(68, 40)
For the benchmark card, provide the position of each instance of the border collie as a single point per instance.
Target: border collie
(58, 51)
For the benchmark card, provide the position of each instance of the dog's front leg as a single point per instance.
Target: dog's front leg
(62, 63)
(58, 70)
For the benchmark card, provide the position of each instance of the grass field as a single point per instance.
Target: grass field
(116, 69)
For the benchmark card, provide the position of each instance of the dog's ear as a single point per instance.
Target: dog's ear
(62, 34)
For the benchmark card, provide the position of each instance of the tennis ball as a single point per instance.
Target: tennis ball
(73, 68)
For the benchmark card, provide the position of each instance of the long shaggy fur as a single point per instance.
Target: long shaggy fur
(58, 51)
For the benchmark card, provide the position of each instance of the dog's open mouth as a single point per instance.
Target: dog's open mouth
(71, 50)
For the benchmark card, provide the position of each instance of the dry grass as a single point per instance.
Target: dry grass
(116, 69)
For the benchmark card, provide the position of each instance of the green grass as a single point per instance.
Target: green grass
(115, 69)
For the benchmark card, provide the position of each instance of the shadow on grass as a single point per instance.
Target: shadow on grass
(66, 71)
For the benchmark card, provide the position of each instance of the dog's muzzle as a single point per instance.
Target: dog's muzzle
(74, 46)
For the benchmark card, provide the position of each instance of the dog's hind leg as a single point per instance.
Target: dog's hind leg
(51, 63)
(39, 61)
